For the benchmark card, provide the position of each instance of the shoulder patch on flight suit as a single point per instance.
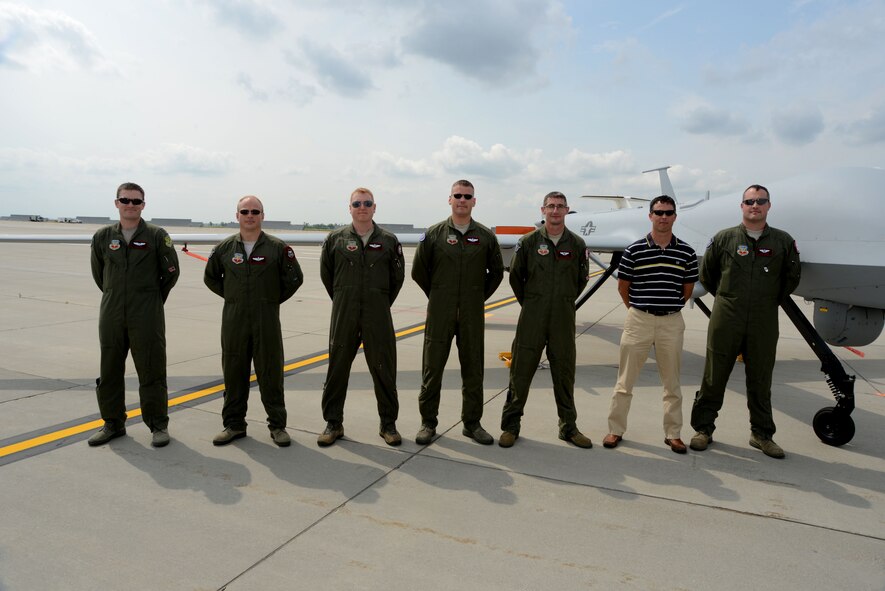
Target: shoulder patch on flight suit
(710, 243)
(167, 240)
(743, 250)
(452, 239)
(422, 236)
(290, 254)
(139, 244)
(473, 240)
(237, 259)
(114, 245)
(399, 249)
(516, 248)
(795, 247)
(543, 249)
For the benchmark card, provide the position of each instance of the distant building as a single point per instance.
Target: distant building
(402, 228)
(163, 222)
(86, 219)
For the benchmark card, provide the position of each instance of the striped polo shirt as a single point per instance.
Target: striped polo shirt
(657, 275)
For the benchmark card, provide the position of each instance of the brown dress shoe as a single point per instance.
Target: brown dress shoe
(611, 441)
(676, 445)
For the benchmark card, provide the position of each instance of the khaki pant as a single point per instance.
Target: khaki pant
(641, 331)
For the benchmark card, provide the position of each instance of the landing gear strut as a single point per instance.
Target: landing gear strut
(833, 425)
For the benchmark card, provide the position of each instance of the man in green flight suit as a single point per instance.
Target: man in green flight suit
(751, 269)
(458, 265)
(549, 270)
(254, 272)
(363, 269)
(135, 266)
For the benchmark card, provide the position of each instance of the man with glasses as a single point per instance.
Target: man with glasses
(655, 279)
(135, 266)
(549, 270)
(362, 269)
(751, 269)
(458, 265)
(254, 272)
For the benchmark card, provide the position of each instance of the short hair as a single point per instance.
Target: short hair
(463, 183)
(554, 195)
(361, 190)
(666, 199)
(244, 197)
(130, 187)
(757, 188)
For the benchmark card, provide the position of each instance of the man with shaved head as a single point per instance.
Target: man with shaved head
(254, 273)
(362, 269)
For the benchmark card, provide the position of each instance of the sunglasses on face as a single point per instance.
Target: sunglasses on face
(464, 196)
(761, 201)
(367, 204)
(666, 212)
(250, 211)
(127, 201)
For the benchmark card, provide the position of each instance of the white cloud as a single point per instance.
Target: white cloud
(250, 18)
(466, 157)
(168, 159)
(184, 159)
(493, 41)
(335, 71)
(867, 130)
(797, 124)
(459, 156)
(705, 119)
(47, 40)
(244, 81)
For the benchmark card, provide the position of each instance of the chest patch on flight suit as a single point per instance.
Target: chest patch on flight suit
(764, 252)
(351, 245)
(565, 254)
(452, 239)
(114, 245)
(743, 250)
(237, 259)
(473, 240)
(543, 250)
(138, 244)
(374, 246)
(257, 260)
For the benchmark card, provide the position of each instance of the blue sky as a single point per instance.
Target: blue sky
(299, 102)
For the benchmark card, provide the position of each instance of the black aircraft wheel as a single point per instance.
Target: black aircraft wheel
(833, 428)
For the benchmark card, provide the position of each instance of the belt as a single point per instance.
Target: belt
(658, 312)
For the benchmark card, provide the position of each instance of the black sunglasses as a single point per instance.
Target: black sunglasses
(666, 212)
(462, 196)
(248, 211)
(760, 201)
(127, 201)
(367, 203)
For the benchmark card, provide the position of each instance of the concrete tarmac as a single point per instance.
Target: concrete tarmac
(362, 515)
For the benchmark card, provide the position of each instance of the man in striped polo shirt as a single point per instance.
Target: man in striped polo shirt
(655, 278)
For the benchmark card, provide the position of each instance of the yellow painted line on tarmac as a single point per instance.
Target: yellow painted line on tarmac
(189, 397)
